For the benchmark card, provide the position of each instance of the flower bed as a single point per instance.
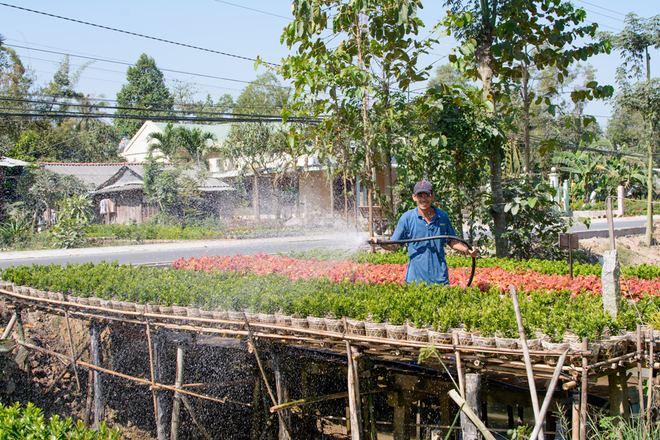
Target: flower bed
(438, 307)
(338, 271)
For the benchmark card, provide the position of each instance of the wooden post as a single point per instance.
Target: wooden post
(509, 413)
(473, 399)
(551, 425)
(575, 417)
(176, 406)
(401, 422)
(354, 400)
(97, 360)
(157, 348)
(281, 392)
(73, 354)
(618, 395)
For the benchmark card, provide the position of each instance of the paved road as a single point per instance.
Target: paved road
(619, 223)
(168, 252)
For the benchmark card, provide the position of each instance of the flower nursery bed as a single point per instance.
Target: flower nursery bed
(264, 287)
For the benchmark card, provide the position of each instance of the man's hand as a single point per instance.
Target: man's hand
(472, 252)
(372, 241)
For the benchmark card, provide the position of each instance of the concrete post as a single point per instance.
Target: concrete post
(620, 196)
(567, 199)
(554, 182)
(611, 283)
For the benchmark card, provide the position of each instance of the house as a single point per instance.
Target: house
(284, 190)
(118, 190)
(137, 149)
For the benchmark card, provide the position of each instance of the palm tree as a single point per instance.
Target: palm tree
(581, 163)
(195, 142)
(168, 142)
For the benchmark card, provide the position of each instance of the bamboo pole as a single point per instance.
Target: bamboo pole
(64, 370)
(10, 325)
(649, 403)
(468, 411)
(536, 433)
(193, 416)
(584, 396)
(354, 394)
(528, 361)
(310, 400)
(263, 375)
(459, 366)
(88, 402)
(97, 361)
(73, 355)
(640, 383)
(281, 392)
(158, 386)
(176, 406)
(152, 374)
(256, 396)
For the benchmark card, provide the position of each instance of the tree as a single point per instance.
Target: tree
(145, 94)
(634, 42)
(446, 74)
(373, 65)
(252, 146)
(583, 164)
(263, 96)
(503, 41)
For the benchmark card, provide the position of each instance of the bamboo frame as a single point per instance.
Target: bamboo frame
(73, 355)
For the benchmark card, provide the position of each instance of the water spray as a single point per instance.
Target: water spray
(435, 237)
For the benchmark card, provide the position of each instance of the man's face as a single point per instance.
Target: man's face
(423, 200)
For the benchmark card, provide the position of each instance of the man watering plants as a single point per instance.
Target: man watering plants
(427, 258)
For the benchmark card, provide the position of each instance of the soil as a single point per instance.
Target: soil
(631, 249)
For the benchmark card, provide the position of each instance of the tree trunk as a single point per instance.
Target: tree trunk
(525, 91)
(484, 58)
(255, 197)
(649, 208)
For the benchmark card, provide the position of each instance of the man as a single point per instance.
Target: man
(427, 258)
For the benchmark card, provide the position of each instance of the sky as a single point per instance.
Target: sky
(231, 33)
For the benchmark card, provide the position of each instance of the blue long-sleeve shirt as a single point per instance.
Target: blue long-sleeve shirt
(427, 258)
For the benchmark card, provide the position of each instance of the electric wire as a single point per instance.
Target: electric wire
(255, 10)
(135, 34)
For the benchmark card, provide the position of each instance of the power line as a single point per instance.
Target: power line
(135, 34)
(255, 10)
(600, 7)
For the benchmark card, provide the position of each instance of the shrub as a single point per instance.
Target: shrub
(17, 422)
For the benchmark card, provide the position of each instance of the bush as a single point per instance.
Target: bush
(422, 304)
(17, 422)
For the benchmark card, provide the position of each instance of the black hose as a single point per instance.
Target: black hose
(436, 237)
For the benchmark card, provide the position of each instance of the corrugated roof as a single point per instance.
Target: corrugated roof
(93, 175)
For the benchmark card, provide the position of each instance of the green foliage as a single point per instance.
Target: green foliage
(145, 93)
(439, 306)
(17, 422)
(533, 221)
(17, 228)
(74, 216)
(615, 428)
(263, 96)
(559, 267)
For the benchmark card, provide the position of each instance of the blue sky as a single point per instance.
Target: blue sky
(245, 28)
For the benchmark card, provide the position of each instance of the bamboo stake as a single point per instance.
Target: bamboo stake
(65, 369)
(548, 397)
(459, 367)
(73, 356)
(468, 412)
(194, 417)
(153, 374)
(263, 375)
(176, 406)
(88, 403)
(353, 395)
(158, 386)
(528, 361)
(217, 384)
(640, 383)
(310, 400)
(97, 360)
(10, 325)
(584, 396)
(650, 362)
